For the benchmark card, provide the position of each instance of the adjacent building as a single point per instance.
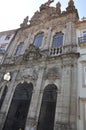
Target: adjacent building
(81, 91)
(5, 40)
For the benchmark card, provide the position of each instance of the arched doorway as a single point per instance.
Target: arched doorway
(19, 107)
(47, 111)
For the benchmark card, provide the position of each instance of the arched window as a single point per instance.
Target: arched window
(20, 49)
(38, 40)
(48, 106)
(58, 40)
(19, 107)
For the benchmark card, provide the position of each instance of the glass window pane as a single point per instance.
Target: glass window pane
(84, 33)
(84, 36)
(58, 40)
(20, 49)
(38, 40)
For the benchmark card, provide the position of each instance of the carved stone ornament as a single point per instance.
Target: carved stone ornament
(32, 53)
(58, 8)
(53, 73)
(71, 6)
(27, 74)
(25, 22)
(48, 12)
(44, 6)
(63, 126)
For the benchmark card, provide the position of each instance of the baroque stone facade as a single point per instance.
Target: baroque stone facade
(43, 84)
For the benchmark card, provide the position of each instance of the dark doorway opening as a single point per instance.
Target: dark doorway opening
(47, 111)
(19, 107)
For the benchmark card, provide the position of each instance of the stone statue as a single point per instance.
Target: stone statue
(49, 2)
(58, 8)
(71, 3)
(44, 6)
(25, 22)
(71, 6)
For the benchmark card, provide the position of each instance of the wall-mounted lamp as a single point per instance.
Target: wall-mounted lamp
(7, 76)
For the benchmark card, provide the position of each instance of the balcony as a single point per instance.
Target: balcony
(82, 41)
(63, 50)
(55, 51)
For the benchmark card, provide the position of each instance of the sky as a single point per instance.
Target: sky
(12, 12)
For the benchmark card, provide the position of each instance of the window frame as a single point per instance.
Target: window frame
(37, 39)
(59, 36)
(20, 49)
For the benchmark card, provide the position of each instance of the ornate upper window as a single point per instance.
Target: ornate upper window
(20, 49)
(58, 40)
(38, 40)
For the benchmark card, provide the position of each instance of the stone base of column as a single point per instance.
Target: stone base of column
(64, 126)
(29, 123)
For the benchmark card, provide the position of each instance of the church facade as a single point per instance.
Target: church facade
(38, 81)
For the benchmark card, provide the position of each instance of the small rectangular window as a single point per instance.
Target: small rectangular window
(3, 46)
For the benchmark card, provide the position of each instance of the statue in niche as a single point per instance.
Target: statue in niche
(58, 8)
(43, 6)
(25, 22)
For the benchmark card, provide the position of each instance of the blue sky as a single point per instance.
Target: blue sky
(12, 12)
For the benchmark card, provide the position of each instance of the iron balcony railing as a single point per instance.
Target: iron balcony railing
(82, 40)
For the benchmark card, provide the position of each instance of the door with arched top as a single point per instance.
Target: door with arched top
(47, 111)
(19, 107)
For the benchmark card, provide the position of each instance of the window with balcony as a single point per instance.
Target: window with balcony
(57, 40)
(20, 49)
(38, 40)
